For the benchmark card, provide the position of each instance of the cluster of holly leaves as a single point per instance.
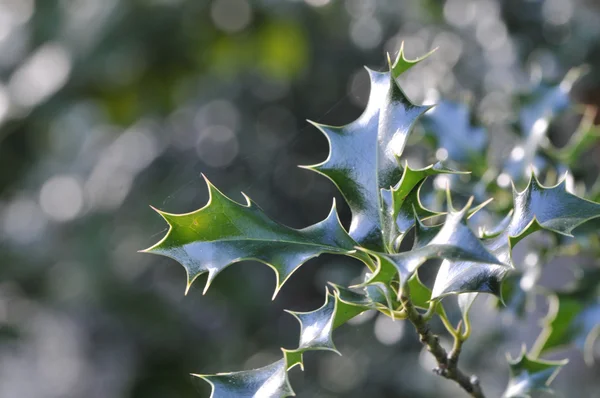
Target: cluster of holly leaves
(390, 211)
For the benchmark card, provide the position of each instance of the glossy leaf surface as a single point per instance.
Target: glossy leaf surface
(225, 232)
(453, 240)
(363, 157)
(536, 207)
(270, 381)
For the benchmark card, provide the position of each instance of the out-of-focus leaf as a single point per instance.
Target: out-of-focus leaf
(585, 136)
(363, 155)
(538, 110)
(225, 232)
(536, 207)
(546, 101)
(450, 124)
(270, 381)
(528, 375)
(573, 317)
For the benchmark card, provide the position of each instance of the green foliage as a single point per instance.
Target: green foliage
(528, 375)
(383, 192)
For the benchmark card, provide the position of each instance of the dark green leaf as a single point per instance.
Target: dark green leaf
(454, 240)
(402, 201)
(316, 326)
(225, 232)
(363, 155)
(535, 208)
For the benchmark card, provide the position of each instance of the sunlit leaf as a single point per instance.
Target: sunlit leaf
(270, 381)
(363, 155)
(402, 202)
(453, 240)
(224, 232)
(536, 207)
(537, 112)
(316, 327)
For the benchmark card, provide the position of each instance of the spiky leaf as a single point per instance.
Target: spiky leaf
(402, 202)
(528, 375)
(453, 240)
(316, 327)
(363, 155)
(536, 207)
(224, 232)
(270, 381)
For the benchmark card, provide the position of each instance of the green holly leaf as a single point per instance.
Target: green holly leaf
(363, 155)
(528, 375)
(536, 207)
(225, 232)
(420, 295)
(573, 317)
(402, 202)
(316, 327)
(450, 124)
(270, 381)
(453, 240)
(401, 64)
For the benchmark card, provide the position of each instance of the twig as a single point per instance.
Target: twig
(447, 363)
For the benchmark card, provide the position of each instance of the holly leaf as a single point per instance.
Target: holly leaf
(316, 327)
(270, 381)
(363, 154)
(528, 375)
(573, 317)
(453, 240)
(402, 202)
(544, 103)
(538, 110)
(450, 124)
(420, 295)
(225, 232)
(535, 208)
(401, 64)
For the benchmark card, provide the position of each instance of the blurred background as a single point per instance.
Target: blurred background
(109, 106)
